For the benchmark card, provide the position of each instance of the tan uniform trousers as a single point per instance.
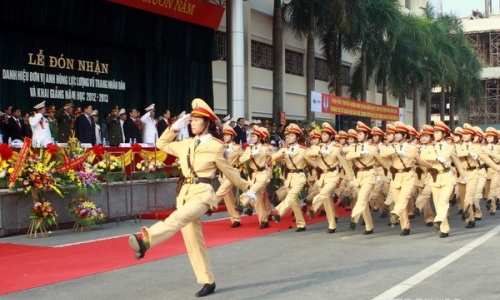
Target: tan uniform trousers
(229, 200)
(402, 194)
(296, 184)
(461, 195)
(470, 193)
(327, 184)
(441, 198)
(493, 190)
(258, 184)
(479, 192)
(187, 219)
(361, 208)
(423, 202)
(377, 198)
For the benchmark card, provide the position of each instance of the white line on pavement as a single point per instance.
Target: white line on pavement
(397, 290)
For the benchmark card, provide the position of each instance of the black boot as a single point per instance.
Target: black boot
(206, 290)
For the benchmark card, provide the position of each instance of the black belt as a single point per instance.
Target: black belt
(332, 169)
(471, 168)
(363, 168)
(196, 180)
(484, 166)
(295, 170)
(259, 169)
(402, 170)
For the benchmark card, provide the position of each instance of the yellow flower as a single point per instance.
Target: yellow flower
(10, 170)
(112, 167)
(138, 166)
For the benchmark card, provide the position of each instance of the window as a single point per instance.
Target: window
(407, 4)
(320, 69)
(221, 40)
(294, 63)
(346, 75)
(262, 55)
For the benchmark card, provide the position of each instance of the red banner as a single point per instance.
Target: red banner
(345, 106)
(194, 11)
(20, 160)
(74, 163)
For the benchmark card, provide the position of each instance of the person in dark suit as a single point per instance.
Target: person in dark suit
(164, 123)
(15, 126)
(241, 137)
(131, 129)
(216, 129)
(85, 126)
(64, 118)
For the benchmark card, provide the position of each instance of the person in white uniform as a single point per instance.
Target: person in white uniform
(98, 134)
(149, 132)
(40, 127)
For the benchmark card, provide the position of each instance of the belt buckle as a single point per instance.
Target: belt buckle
(196, 180)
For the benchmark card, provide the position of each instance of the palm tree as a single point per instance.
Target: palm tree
(309, 19)
(277, 61)
(452, 63)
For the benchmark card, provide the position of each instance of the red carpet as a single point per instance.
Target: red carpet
(25, 267)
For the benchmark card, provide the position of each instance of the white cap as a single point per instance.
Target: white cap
(226, 118)
(39, 105)
(257, 121)
(94, 113)
(151, 107)
(246, 123)
(122, 111)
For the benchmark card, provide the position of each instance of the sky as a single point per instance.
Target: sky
(463, 8)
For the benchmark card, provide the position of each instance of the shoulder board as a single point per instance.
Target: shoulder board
(337, 145)
(216, 139)
(303, 147)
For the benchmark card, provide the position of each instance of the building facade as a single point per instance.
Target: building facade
(258, 64)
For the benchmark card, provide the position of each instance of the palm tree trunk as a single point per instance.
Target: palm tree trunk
(416, 106)
(277, 61)
(310, 73)
(452, 114)
(338, 79)
(384, 97)
(363, 75)
(428, 100)
(442, 103)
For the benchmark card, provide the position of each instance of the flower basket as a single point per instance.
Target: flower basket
(43, 215)
(86, 214)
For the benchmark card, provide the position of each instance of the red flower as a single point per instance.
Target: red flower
(5, 151)
(136, 148)
(98, 150)
(52, 148)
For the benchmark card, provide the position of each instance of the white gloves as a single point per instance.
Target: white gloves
(465, 179)
(251, 195)
(364, 152)
(325, 152)
(181, 122)
(351, 183)
(441, 160)
(229, 151)
(378, 179)
(473, 155)
(401, 153)
(255, 152)
(289, 153)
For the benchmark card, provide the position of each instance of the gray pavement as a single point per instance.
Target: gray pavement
(307, 265)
